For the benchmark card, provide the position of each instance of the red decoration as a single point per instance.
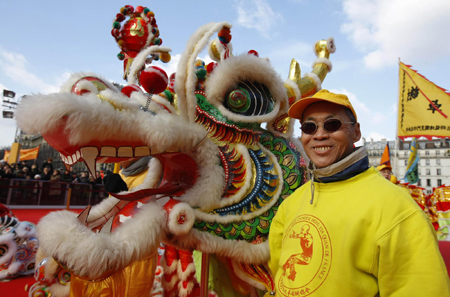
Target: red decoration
(154, 80)
(253, 52)
(210, 67)
(127, 90)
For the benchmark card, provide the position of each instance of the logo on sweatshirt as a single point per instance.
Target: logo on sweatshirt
(308, 253)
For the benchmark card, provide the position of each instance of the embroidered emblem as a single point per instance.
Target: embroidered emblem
(305, 272)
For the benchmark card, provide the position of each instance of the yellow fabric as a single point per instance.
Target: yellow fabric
(134, 180)
(363, 236)
(134, 280)
(416, 116)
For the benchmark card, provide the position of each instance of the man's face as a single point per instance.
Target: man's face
(325, 148)
(386, 172)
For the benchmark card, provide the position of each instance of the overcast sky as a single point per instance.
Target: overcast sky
(43, 42)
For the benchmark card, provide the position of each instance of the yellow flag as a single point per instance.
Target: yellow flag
(423, 107)
(29, 154)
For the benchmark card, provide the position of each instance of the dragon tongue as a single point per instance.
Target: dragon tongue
(166, 190)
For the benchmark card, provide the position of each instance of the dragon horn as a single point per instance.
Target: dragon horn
(186, 78)
(300, 87)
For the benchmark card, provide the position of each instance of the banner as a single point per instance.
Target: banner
(423, 107)
(29, 154)
(9, 94)
(412, 170)
(24, 154)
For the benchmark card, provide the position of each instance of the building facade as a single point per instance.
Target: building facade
(434, 164)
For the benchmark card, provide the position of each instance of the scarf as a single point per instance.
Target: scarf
(350, 166)
(137, 167)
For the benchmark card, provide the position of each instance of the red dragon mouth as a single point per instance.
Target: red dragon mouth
(179, 172)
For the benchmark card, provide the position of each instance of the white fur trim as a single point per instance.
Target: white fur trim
(324, 61)
(169, 269)
(316, 80)
(183, 275)
(231, 71)
(92, 254)
(331, 45)
(236, 249)
(294, 87)
(86, 85)
(207, 191)
(186, 79)
(176, 212)
(182, 292)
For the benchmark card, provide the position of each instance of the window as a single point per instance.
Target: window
(427, 162)
(438, 153)
(406, 162)
(428, 182)
(419, 183)
(406, 154)
(422, 145)
(427, 171)
(439, 182)
(406, 146)
(427, 153)
(438, 171)
(438, 161)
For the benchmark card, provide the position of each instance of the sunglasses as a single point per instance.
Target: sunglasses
(330, 126)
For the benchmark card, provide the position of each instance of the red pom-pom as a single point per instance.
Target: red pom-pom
(130, 9)
(120, 17)
(154, 80)
(139, 9)
(115, 33)
(211, 66)
(253, 52)
(127, 90)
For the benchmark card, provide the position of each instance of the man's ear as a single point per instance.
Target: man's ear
(357, 130)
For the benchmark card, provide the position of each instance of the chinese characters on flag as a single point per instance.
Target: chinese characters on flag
(424, 108)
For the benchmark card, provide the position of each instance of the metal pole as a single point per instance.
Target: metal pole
(204, 275)
(69, 194)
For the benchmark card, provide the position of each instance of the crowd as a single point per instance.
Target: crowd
(24, 170)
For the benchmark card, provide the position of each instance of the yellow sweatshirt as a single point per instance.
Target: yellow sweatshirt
(361, 237)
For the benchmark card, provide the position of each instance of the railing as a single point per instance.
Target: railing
(22, 192)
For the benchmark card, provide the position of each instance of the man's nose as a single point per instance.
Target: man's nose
(321, 133)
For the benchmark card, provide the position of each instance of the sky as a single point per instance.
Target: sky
(43, 42)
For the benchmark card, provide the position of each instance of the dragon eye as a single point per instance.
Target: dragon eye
(238, 100)
(249, 99)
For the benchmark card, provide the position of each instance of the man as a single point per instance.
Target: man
(386, 171)
(366, 236)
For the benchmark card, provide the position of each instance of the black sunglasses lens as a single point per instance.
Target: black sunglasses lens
(308, 128)
(332, 125)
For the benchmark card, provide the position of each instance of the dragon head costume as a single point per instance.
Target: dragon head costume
(224, 173)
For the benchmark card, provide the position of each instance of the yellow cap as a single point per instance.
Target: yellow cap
(297, 109)
(381, 167)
